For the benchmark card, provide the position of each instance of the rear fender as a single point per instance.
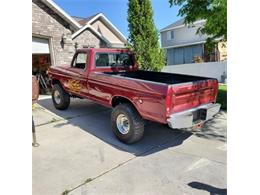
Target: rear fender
(116, 99)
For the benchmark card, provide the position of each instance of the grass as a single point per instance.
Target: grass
(222, 96)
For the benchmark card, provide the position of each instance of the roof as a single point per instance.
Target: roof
(77, 18)
(89, 20)
(183, 44)
(178, 24)
(62, 13)
(80, 24)
(84, 21)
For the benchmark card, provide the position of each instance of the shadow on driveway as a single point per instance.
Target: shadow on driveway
(214, 129)
(95, 120)
(212, 190)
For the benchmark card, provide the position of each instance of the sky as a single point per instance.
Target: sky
(116, 11)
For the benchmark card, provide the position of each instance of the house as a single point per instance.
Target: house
(102, 27)
(56, 35)
(184, 45)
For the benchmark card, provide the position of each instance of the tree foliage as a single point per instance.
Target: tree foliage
(214, 11)
(143, 36)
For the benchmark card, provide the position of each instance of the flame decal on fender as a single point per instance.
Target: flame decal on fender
(74, 85)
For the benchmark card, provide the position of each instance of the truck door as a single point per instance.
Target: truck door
(77, 81)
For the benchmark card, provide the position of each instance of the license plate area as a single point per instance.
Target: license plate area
(200, 114)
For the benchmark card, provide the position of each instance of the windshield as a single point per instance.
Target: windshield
(113, 59)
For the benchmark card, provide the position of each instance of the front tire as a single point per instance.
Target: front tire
(60, 98)
(127, 124)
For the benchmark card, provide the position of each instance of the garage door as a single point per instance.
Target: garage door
(184, 55)
(40, 46)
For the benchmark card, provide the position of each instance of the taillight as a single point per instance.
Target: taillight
(168, 102)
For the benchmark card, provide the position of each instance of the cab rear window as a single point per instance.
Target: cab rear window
(113, 60)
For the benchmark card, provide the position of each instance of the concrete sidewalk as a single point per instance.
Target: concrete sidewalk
(79, 153)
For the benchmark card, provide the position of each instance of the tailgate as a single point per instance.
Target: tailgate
(189, 95)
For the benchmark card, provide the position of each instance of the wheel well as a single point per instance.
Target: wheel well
(119, 100)
(55, 81)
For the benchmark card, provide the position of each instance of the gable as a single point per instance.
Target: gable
(89, 39)
(104, 29)
(100, 27)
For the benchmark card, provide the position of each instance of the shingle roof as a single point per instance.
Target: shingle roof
(177, 23)
(77, 18)
(82, 21)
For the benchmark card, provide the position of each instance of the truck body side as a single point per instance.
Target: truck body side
(155, 101)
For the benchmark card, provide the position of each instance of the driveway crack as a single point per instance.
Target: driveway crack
(67, 118)
(177, 139)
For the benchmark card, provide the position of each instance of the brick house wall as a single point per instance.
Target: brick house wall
(47, 24)
(87, 38)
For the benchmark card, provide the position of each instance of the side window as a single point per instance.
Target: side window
(80, 61)
(102, 59)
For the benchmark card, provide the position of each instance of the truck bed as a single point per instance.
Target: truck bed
(161, 77)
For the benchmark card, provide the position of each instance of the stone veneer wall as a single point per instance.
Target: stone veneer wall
(46, 23)
(88, 39)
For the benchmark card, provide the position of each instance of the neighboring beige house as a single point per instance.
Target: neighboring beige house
(56, 35)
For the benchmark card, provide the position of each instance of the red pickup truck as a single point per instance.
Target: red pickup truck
(111, 77)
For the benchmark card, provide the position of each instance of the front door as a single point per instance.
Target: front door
(77, 82)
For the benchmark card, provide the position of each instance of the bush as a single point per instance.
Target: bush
(222, 96)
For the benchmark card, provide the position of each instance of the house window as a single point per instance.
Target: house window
(170, 35)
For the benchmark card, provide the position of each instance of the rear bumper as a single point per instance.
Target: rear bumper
(188, 118)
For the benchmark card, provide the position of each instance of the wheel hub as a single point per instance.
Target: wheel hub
(122, 123)
(57, 97)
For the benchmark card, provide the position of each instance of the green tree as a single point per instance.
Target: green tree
(143, 36)
(213, 11)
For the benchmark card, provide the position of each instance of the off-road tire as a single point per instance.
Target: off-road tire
(64, 98)
(136, 122)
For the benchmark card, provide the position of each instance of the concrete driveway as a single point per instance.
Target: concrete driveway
(79, 154)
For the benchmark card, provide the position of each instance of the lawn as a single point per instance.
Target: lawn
(222, 96)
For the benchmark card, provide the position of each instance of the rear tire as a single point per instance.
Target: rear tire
(127, 124)
(60, 98)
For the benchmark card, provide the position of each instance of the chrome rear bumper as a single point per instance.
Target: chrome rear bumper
(188, 118)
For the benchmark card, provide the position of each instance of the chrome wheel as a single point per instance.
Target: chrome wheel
(57, 97)
(122, 123)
